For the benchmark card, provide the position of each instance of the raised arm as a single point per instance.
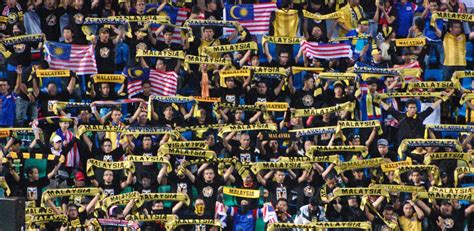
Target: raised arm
(54, 171)
(19, 72)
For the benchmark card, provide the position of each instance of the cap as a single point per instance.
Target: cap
(383, 142)
(363, 21)
(354, 136)
(57, 139)
(445, 202)
(338, 84)
(79, 176)
(375, 52)
(443, 174)
(104, 30)
(353, 197)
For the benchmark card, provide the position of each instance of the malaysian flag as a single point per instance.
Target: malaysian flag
(254, 17)
(77, 58)
(221, 213)
(326, 50)
(163, 83)
(269, 214)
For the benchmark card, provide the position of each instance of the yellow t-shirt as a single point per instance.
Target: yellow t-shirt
(454, 50)
(350, 17)
(411, 224)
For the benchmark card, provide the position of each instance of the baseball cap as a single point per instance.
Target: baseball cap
(383, 142)
(79, 176)
(56, 139)
(445, 202)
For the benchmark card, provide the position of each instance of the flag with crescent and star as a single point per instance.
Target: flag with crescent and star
(254, 17)
(77, 58)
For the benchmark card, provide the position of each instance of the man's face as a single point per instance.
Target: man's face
(105, 89)
(373, 87)
(388, 214)
(79, 183)
(364, 28)
(140, 6)
(34, 175)
(57, 145)
(147, 142)
(310, 83)
(209, 175)
(4, 87)
(160, 65)
(116, 116)
(456, 29)
(411, 110)
(279, 176)
(255, 61)
(168, 36)
(67, 34)
(211, 140)
(64, 125)
(262, 88)
(352, 202)
(382, 149)
(212, 6)
(446, 209)
(72, 212)
(104, 36)
(388, 81)
(146, 89)
(284, 58)
(146, 182)
(434, 6)
(108, 177)
(52, 89)
(50, 3)
(415, 177)
(168, 112)
(282, 206)
(107, 147)
(208, 34)
(245, 140)
(79, 3)
(84, 115)
(230, 83)
(408, 210)
(273, 144)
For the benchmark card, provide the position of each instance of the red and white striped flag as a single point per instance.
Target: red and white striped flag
(326, 50)
(77, 58)
(163, 83)
(261, 18)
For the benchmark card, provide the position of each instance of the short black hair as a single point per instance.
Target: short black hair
(410, 102)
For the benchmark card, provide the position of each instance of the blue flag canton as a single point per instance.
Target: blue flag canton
(59, 50)
(242, 12)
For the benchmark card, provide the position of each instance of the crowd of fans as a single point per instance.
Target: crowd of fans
(303, 195)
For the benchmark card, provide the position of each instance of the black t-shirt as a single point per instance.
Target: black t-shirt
(278, 191)
(230, 95)
(105, 57)
(43, 98)
(34, 190)
(50, 22)
(308, 189)
(179, 184)
(145, 166)
(134, 45)
(209, 191)
(308, 98)
(253, 96)
(176, 121)
(80, 220)
(247, 155)
(112, 189)
(76, 18)
(114, 155)
(21, 54)
(455, 221)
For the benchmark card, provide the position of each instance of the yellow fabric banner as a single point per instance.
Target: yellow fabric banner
(461, 170)
(108, 78)
(295, 69)
(359, 164)
(52, 73)
(251, 127)
(460, 75)
(430, 85)
(402, 169)
(160, 54)
(232, 47)
(258, 166)
(347, 106)
(406, 143)
(117, 165)
(241, 192)
(314, 131)
(345, 148)
(281, 40)
(392, 166)
(266, 70)
(165, 197)
(274, 106)
(464, 156)
(319, 17)
(409, 42)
